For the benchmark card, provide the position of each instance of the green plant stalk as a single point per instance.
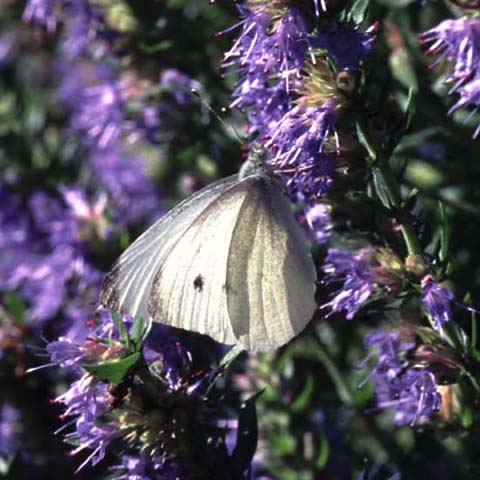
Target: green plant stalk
(393, 190)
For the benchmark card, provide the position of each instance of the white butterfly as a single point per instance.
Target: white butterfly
(230, 262)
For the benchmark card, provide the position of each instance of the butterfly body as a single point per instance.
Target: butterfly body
(230, 262)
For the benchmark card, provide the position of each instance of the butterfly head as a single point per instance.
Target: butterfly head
(256, 163)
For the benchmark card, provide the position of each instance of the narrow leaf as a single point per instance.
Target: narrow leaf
(114, 372)
(247, 435)
(139, 332)
(358, 11)
(362, 138)
(445, 234)
(411, 108)
(122, 330)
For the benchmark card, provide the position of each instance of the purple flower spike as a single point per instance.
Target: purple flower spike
(437, 302)
(346, 45)
(43, 12)
(458, 42)
(352, 270)
(411, 392)
(180, 85)
(319, 221)
(126, 178)
(297, 141)
(95, 97)
(9, 425)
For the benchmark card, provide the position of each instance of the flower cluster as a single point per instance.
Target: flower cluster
(456, 41)
(45, 253)
(282, 88)
(142, 390)
(410, 391)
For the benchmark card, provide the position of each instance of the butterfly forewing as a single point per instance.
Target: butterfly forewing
(127, 286)
(190, 290)
(270, 273)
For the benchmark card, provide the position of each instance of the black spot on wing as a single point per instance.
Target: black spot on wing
(199, 282)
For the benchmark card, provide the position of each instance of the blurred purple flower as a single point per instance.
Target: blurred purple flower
(126, 179)
(432, 150)
(437, 302)
(94, 95)
(8, 48)
(179, 85)
(84, 24)
(143, 467)
(357, 279)
(458, 42)
(51, 220)
(319, 220)
(411, 392)
(346, 45)
(44, 12)
(43, 257)
(9, 429)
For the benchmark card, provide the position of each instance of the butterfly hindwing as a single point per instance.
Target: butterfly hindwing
(270, 271)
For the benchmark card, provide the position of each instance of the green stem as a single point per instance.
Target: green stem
(392, 189)
(342, 388)
(410, 239)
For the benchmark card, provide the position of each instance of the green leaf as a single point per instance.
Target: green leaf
(115, 371)
(156, 47)
(358, 11)
(122, 330)
(15, 306)
(139, 332)
(225, 363)
(247, 434)
(303, 399)
(382, 189)
(411, 108)
(363, 139)
(445, 233)
(323, 454)
(230, 356)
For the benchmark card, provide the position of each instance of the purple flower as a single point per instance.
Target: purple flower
(143, 467)
(8, 48)
(84, 24)
(271, 47)
(87, 400)
(9, 429)
(319, 221)
(142, 422)
(297, 141)
(268, 57)
(94, 96)
(179, 85)
(52, 220)
(357, 279)
(346, 45)
(411, 392)
(458, 42)
(43, 12)
(42, 257)
(437, 302)
(126, 179)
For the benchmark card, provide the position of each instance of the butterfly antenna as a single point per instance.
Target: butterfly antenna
(227, 126)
